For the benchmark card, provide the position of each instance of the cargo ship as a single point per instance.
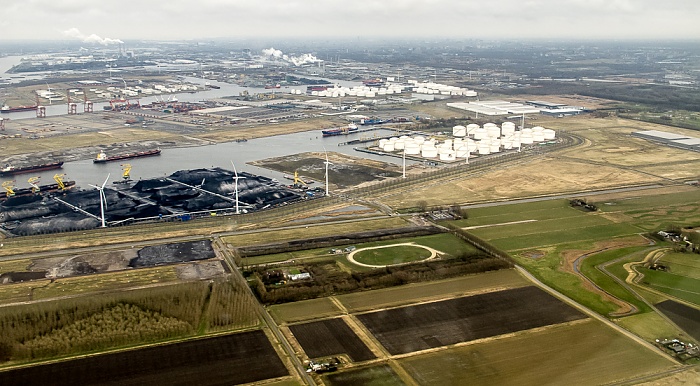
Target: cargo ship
(351, 128)
(8, 109)
(9, 170)
(102, 157)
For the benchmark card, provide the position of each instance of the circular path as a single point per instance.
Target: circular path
(351, 256)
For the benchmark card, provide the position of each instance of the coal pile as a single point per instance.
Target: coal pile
(173, 253)
(187, 191)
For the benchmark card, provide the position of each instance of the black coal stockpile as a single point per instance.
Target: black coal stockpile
(173, 253)
(198, 190)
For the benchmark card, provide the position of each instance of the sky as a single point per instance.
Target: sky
(104, 22)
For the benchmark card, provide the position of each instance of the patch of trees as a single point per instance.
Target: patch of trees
(579, 203)
(94, 323)
(328, 279)
(482, 245)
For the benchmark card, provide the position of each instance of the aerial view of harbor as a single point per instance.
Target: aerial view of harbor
(415, 194)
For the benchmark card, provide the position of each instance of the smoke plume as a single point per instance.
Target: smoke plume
(75, 33)
(275, 54)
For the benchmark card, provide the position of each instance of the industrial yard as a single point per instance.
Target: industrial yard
(344, 221)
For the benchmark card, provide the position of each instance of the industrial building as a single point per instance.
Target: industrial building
(495, 107)
(555, 109)
(670, 139)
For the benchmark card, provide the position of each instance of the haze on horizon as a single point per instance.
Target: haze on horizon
(107, 22)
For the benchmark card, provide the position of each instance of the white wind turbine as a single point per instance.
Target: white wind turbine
(327, 163)
(236, 178)
(103, 199)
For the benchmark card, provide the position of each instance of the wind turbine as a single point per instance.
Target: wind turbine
(236, 178)
(327, 163)
(103, 199)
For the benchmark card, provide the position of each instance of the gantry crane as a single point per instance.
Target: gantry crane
(34, 182)
(9, 187)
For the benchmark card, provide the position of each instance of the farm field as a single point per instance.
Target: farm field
(582, 353)
(330, 337)
(685, 317)
(231, 359)
(676, 285)
(443, 242)
(304, 310)
(418, 292)
(380, 375)
(46, 289)
(686, 264)
(430, 325)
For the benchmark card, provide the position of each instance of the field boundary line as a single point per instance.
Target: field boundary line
(496, 225)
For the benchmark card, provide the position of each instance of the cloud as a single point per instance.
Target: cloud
(75, 33)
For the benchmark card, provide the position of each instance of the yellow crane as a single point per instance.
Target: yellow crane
(34, 182)
(298, 181)
(59, 180)
(9, 187)
(126, 171)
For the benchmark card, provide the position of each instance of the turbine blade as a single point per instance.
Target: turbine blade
(234, 169)
(104, 183)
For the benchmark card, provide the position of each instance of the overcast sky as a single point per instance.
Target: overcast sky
(202, 19)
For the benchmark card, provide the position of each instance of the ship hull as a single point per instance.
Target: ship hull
(30, 169)
(18, 109)
(140, 154)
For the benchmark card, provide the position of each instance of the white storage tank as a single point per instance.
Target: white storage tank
(507, 144)
(471, 128)
(400, 144)
(462, 152)
(429, 152)
(480, 133)
(419, 139)
(448, 143)
(494, 148)
(447, 156)
(412, 148)
(538, 136)
(389, 146)
(537, 129)
(490, 124)
(549, 134)
(459, 131)
(493, 131)
(484, 149)
(526, 139)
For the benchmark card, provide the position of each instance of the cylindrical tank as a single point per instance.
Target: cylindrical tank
(447, 156)
(389, 146)
(484, 149)
(399, 145)
(429, 152)
(412, 148)
(459, 131)
(549, 134)
(494, 148)
(480, 133)
(526, 139)
(462, 152)
(493, 131)
(538, 136)
(471, 128)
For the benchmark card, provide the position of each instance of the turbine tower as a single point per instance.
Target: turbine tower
(327, 163)
(103, 199)
(235, 179)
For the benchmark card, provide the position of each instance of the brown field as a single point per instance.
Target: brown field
(330, 337)
(687, 318)
(374, 375)
(584, 353)
(231, 359)
(420, 292)
(430, 325)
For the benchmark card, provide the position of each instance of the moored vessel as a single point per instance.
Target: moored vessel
(102, 156)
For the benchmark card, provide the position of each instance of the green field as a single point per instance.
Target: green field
(649, 326)
(443, 242)
(14, 265)
(585, 353)
(679, 286)
(417, 292)
(304, 310)
(391, 255)
(686, 264)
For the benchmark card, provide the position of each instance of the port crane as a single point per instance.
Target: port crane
(126, 172)
(9, 187)
(34, 182)
(59, 181)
